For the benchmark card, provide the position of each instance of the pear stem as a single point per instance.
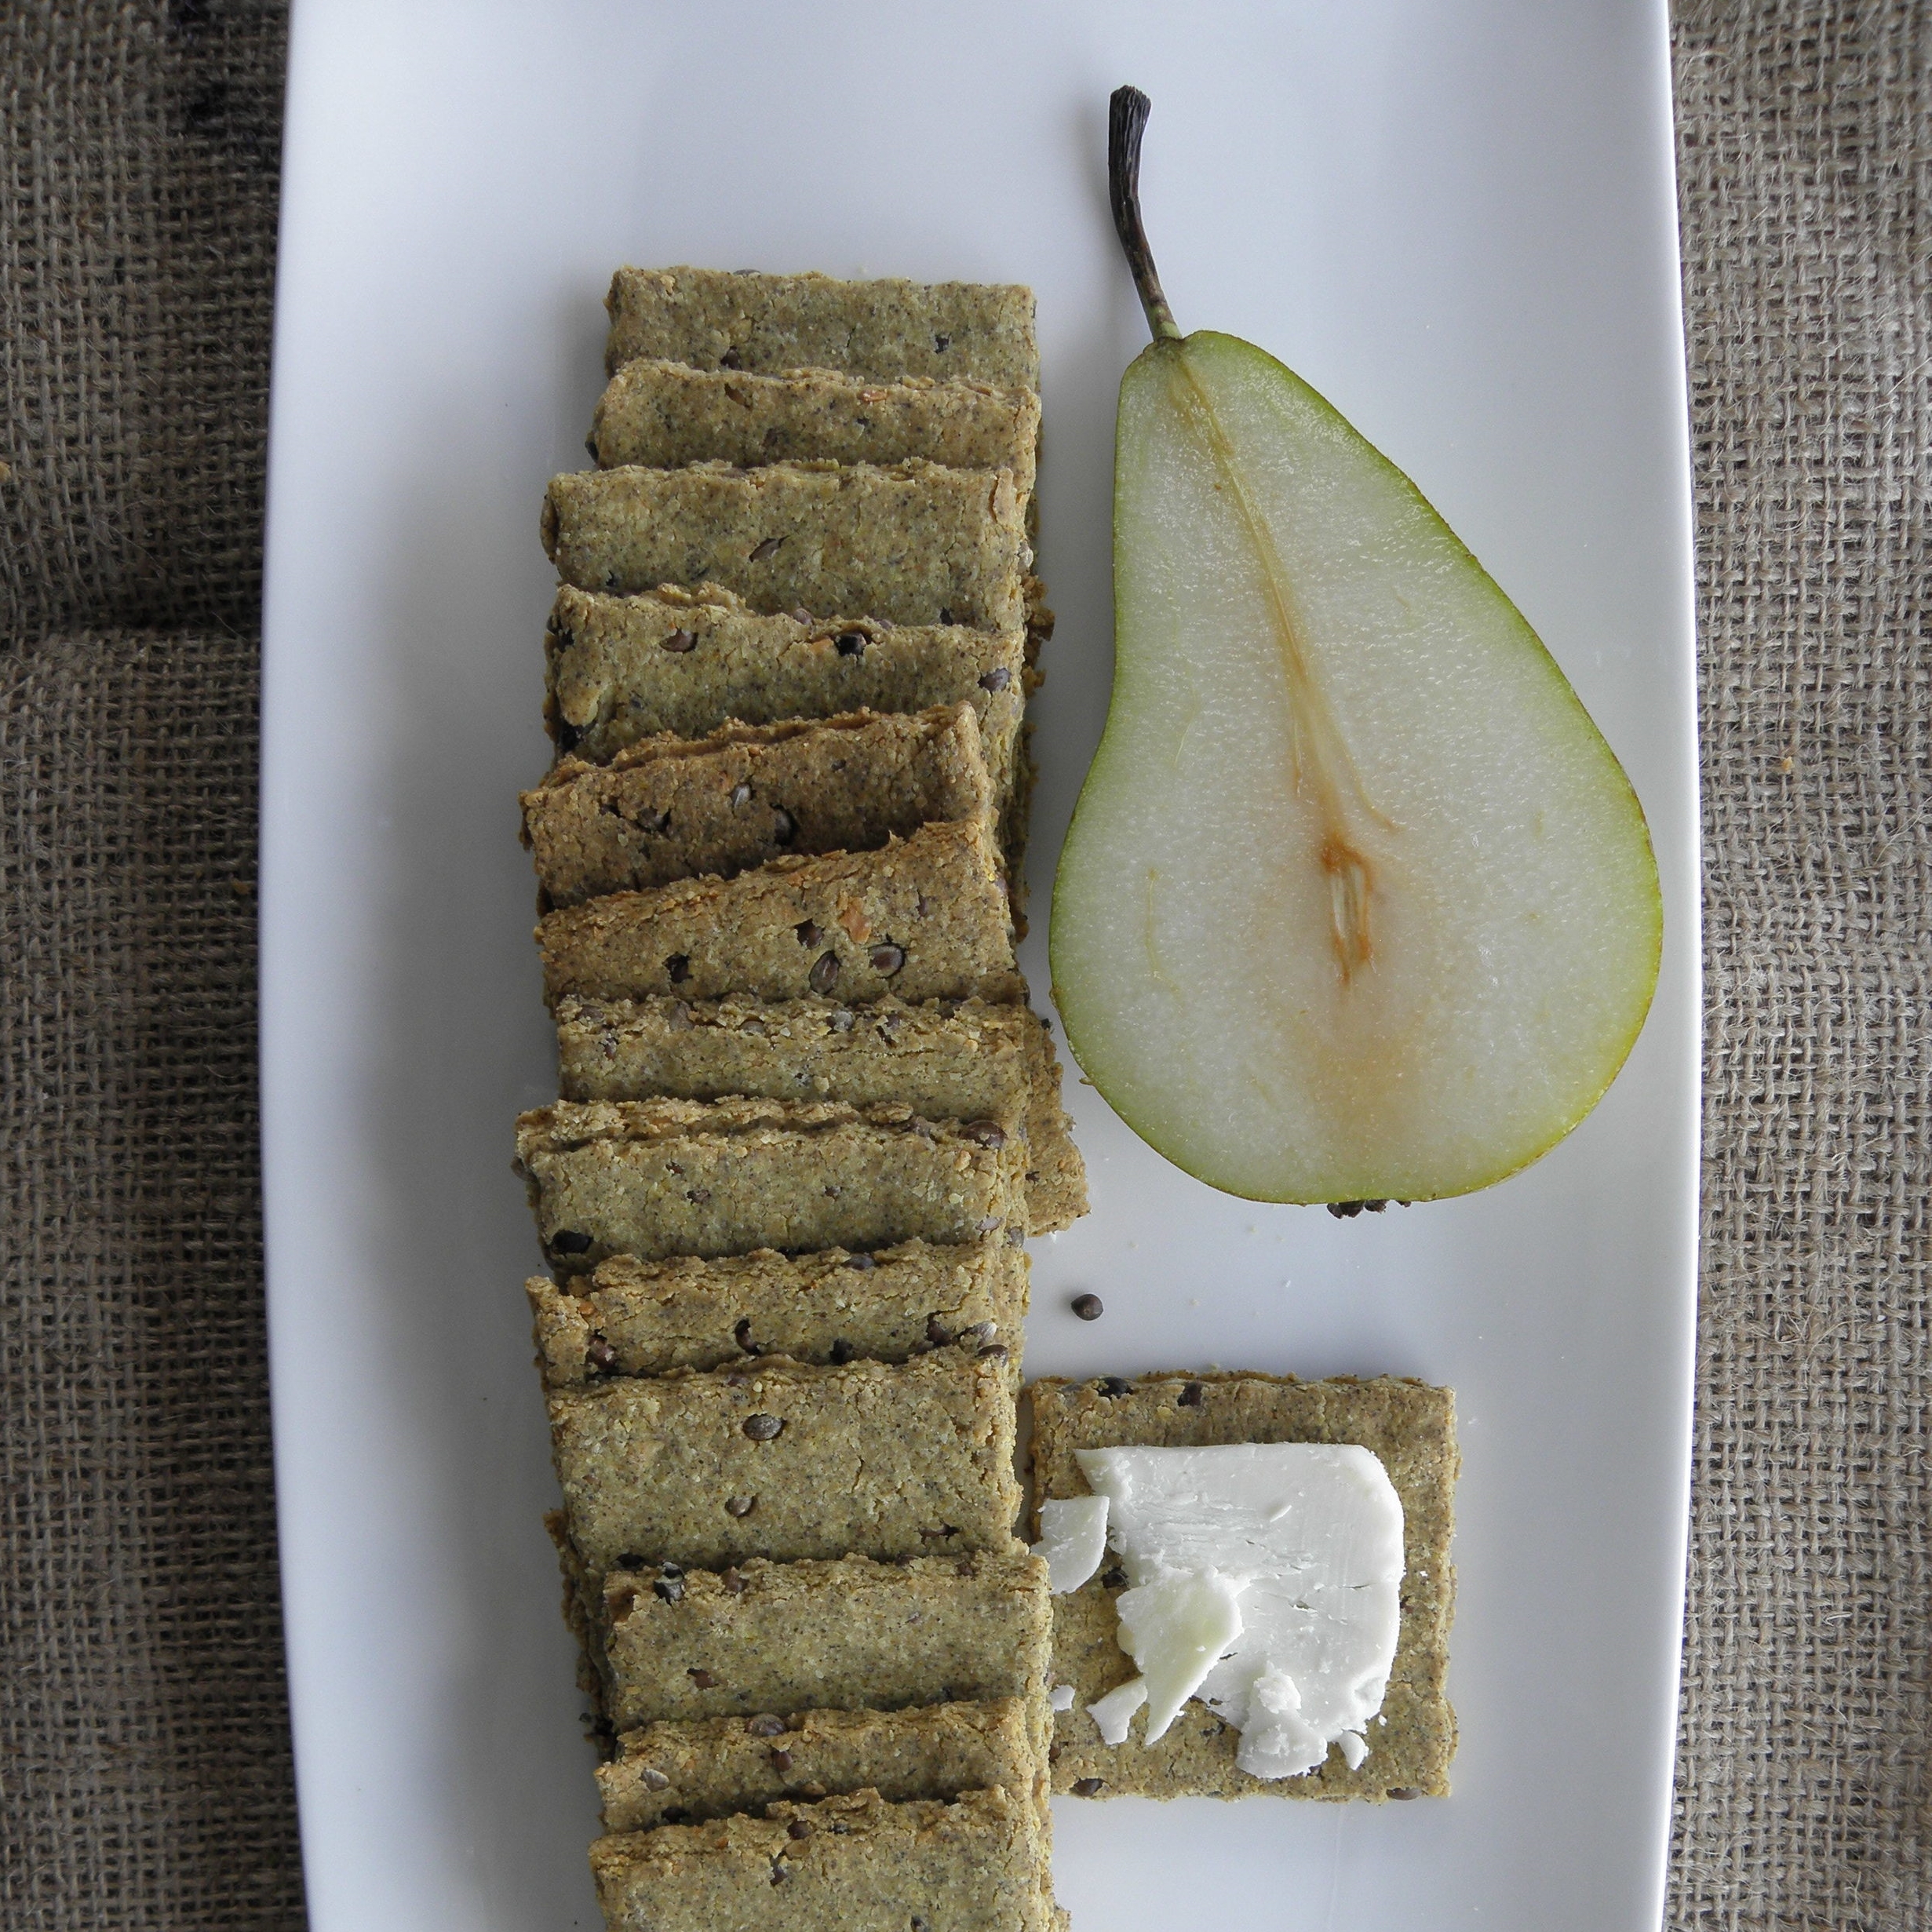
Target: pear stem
(1127, 121)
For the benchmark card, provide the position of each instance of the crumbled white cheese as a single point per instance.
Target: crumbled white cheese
(1073, 1539)
(1176, 1629)
(1266, 1581)
(1061, 1697)
(1115, 1712)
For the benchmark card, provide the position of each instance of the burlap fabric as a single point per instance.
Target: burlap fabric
(1805, 152)
(144, 1774)
(143, 1766)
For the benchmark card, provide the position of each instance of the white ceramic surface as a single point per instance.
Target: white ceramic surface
(1456, 217)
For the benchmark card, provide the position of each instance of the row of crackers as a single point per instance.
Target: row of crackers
(807, 1117)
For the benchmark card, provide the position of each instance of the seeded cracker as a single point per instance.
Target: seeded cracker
(850, 1634)
(913, 543)
(883, 329)
(665, 809)
(656, 1178)
(1410, 1426)
(846, 1865)
(680, 1773)
(925, 918)
(968, 1062)
(636, 1317)
(622, 668)
(782, 1460)
(666, 415)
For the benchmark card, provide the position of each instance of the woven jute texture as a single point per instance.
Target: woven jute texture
(1805, 145)
(144, 1766)
(145, 1772)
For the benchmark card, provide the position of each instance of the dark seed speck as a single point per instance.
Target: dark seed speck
(567, 1242)
(1088, 1308)
(1114, 1385)
(997, 679)
(1089, 1787)
(1190, 1395)
(670, 1588)
(860, 1262)
(740, 1505)
(824, 973)
(678, 643)
(1405, 1792)
(766, 1724)
(798, 1827)
(702, 1678)
(988, 1133)
(807, 933)
(761, 1427)
(652, 1779)
(888, 959)
(768, 548)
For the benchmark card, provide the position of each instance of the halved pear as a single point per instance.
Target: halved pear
(1356, 903)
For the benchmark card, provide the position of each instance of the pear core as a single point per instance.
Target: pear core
(1357, 903)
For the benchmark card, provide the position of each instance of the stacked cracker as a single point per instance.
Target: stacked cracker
(807, 1118)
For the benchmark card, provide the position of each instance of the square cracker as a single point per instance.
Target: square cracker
(1409, 1425)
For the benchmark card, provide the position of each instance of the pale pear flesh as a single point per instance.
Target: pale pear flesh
(1356, 903)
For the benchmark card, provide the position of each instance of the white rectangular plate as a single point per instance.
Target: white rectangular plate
(1456, 218)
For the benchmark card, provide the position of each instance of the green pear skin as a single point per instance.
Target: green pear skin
(1356, 904)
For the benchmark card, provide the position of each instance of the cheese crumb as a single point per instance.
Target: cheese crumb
(1073, 1540)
